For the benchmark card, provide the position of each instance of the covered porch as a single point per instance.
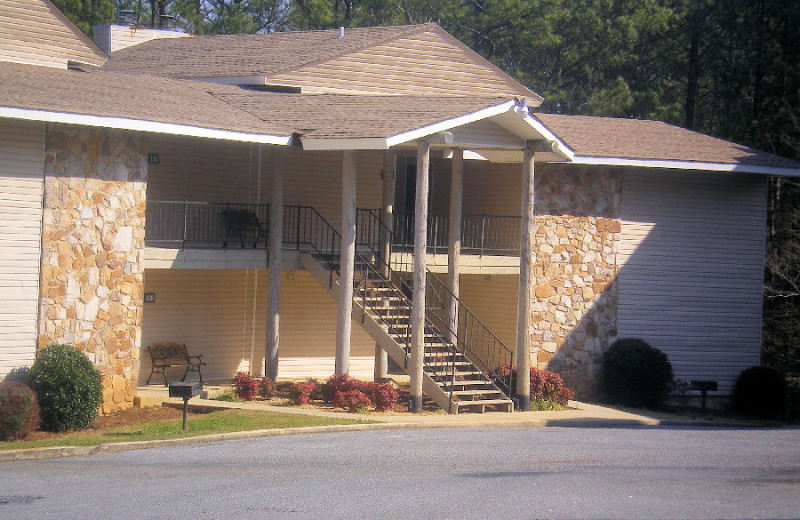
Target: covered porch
(262, 248)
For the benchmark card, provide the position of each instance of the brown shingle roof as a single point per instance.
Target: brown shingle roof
(332, 116)
(130, 96)
(224, 107)
(610, 137)
(247, 54)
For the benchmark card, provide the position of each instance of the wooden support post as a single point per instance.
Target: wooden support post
(523, 387)
(387, 218)
(346, 263)
(274, 265)
(454, 241)
(418, 297)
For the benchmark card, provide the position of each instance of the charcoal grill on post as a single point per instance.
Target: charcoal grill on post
(185, 391)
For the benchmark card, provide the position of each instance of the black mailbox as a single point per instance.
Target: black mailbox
(704, 387)
(185, 390)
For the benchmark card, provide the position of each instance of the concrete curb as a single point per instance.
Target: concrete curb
(586, 416)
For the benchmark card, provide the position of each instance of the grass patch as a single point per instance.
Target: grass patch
(223, 421)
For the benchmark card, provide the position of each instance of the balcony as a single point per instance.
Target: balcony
(215, 225)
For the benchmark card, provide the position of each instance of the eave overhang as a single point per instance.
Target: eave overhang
(121, 123)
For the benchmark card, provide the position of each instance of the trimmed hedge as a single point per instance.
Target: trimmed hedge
(19, 411)
(634, 373)
(68, 387)
(761, 392)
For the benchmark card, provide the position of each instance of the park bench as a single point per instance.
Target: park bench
(173, 355)
(241, 223)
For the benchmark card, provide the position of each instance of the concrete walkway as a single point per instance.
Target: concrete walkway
(579, 415)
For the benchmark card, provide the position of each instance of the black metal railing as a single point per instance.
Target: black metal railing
(480, 234)
(480, 345)
(172, 223)
(468, 335)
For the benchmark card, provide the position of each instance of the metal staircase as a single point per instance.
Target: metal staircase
(458, 358)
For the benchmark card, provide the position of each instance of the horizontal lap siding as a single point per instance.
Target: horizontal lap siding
(494, 302)
(691, 276)
(212, 312)
(425, 63)
(214, 171)
(36, 33)
(21, 185)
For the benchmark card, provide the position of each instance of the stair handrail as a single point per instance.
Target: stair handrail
(311, 229)
(470, 333)
(372, 235)
(462, 337)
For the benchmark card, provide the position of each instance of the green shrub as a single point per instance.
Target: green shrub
(68, 387)
(229, 396)
(792, 400)
(636, 374)
(19, 411)
(761, 392)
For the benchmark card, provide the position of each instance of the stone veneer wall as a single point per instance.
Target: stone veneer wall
(93, 251)
(576, 245)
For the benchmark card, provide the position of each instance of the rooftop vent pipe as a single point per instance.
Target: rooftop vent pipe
(341, 32)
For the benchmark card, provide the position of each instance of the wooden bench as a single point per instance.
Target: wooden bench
(240, 222)
(173, 355)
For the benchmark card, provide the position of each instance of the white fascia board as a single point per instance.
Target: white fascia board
(561, 147)
(366, 143)
(121, 123)
(688, 165)
(448, 124)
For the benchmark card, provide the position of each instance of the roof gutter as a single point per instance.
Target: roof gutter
(688, 165)
(121, 123)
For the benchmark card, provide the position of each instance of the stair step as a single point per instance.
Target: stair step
(467, 382)
(483, 402)
(476, 392)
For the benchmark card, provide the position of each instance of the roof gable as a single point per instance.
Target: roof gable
(243, 54)
(35, 32)
(423, 61)
(402, 60)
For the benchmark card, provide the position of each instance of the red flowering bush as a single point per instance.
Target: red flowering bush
(380, 395)
(383, 396)
(19, 411)
(545, 385)
(353, 400)
(338, 383)
(300, 393)
(266, 388)
(245, 386)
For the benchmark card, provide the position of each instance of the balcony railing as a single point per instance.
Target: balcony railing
(201, 224)
(480, 234)
(180, 224)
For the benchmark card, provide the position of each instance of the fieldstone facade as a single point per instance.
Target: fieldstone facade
(576, 245)
(93, 251)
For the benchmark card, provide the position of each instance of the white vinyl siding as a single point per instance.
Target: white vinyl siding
(212, 312)
(21, 185)
(691, 276)
(216, 171)
(493, 299)
(423, 63)
(35, 32)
